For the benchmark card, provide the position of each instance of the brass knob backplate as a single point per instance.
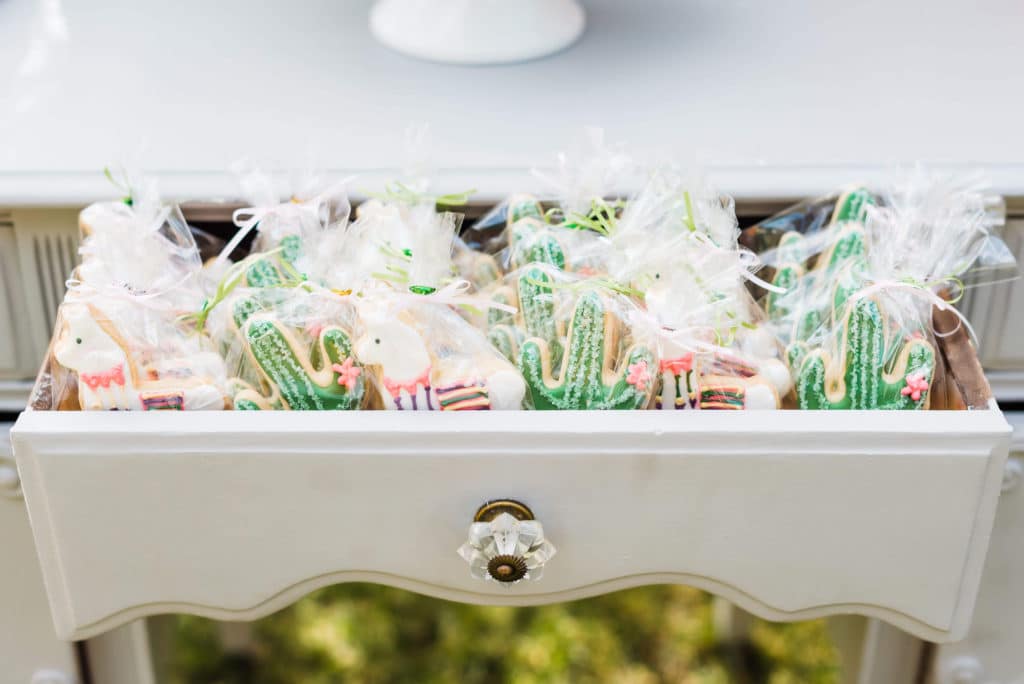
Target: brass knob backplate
(492, 509)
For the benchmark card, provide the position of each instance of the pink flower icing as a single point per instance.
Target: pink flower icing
(916, 386)
(347, 372)
(638, 375)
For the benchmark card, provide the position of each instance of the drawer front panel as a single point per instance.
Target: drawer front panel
(235, 515)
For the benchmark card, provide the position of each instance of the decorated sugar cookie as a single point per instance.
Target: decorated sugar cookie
(715, 381)
(321, 377)
(109, 379)
(872, 367)
(711, 356)
(587, 378)
(414, 379)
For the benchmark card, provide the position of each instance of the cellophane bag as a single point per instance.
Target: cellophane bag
(578, 189)
(121, 342)
(287, 229)
(808, 219)
(676, 247)
(424, 356)
(573, 343)
(290, 347)
(421, 352)
(284, 318)
(865, 335)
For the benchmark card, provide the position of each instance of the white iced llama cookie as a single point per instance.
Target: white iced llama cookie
(413, 380)
(108, 379)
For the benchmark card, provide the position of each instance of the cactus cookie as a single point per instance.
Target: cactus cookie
(532, 244)
(587, 379)
(325, 378)
(870, 369)
(531, 241)
(272, 272)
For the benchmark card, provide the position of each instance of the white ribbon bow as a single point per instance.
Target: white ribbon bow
(923, 292)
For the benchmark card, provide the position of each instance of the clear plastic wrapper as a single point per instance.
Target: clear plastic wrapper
(572, 342)
(284, 318)
(675, 245)
(578, 188)
(807, 219)
(291, 348)
(286, 229)
(121, 342)
(863, 335)
(715, 353)
(423, 355)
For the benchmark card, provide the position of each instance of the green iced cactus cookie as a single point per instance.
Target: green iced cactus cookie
(869, 371)
(806, 318)
(533, 294)
(533, 242)
(506, 339)
(324, 379)
(246, 397)
(273, 271)
(537, 308)
(523, 206)
(587, 380)
(852, 206)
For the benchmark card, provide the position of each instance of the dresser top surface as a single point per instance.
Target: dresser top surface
(793, 95)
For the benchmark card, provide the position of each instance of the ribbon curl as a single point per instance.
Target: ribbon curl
(923, 291)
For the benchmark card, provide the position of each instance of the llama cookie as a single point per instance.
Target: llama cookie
(587, 379)
(415, 379)
(870, 368)
(723, 382)
(109, 379)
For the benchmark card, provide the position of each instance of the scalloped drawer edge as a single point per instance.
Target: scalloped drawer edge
(789, 514)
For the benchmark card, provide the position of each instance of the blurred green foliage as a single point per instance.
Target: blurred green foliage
(365, 634)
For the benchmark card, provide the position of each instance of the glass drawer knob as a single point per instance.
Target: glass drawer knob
(506, 543)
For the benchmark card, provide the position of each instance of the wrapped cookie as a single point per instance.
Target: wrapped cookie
(714, 350)
(285, 229)
(287, 334)
(575, 345)
(675, 245)
(422, 354)
(291, 348)
(877, 346)
(806, 220)
(120, 341)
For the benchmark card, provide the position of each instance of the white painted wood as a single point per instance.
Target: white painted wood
(284, 104)
(14, 394)
(1007, 385)
(17, 357)
(994, 639)
(122, 656)
(28, 644)
(999, 308)
(889, 656)
(790, 515)
(47, 252)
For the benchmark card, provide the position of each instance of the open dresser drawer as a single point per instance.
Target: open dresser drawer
(790, 514)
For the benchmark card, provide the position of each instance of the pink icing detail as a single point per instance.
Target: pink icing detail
(916, 385)
(114, 375)
(684, 364)
(394, 387)
(348, 373)
(638, 375)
